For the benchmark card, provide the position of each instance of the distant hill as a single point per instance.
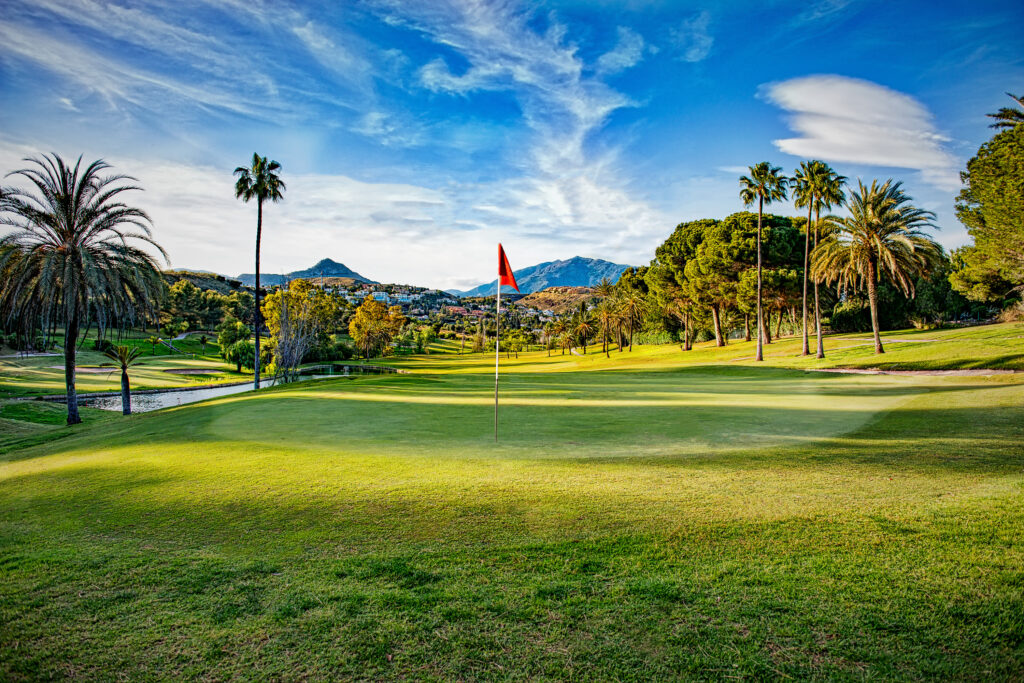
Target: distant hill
(204, 279)
(575, 272)
(557, 299)
(325, 268)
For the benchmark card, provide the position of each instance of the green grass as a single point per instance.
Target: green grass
(653, 516)
(44, 375)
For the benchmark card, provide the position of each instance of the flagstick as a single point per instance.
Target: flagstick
(497, 342)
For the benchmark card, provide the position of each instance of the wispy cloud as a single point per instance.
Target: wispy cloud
(627, 53)
(822, 9)
(565, 193)
(847, 119)
(693, 39)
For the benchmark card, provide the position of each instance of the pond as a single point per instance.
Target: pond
(148, 401)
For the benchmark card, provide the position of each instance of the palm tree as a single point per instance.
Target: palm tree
(882, 236)
(607, 318)
(631, 307)
(561, 329)
(72, 256)
(583, 328)
(765, 185)
(815, 185)
(1009, 117)
(124, 357)
(605, 288)
(203, 341)
(153, 341)
(259, 181)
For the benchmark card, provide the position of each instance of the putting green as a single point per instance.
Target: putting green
(636, 520)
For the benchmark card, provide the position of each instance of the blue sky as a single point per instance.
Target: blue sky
(415, 135)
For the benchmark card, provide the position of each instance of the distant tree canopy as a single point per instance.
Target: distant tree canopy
(991, 206)
(374, 326)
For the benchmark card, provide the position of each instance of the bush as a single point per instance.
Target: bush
(659, 337)
(242, 354)
(102, 345)
(848, 316)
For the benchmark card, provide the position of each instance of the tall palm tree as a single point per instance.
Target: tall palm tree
(1009, 117)
(124, 357)
(882, 236)
(73, 256)
(765, 185)
(815, 185)
(260, 182)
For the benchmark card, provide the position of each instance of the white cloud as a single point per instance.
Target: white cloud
(692, 38)
(394, 232)
(626, 54)
(857, 121)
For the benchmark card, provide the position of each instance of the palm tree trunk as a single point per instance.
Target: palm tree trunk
(807, 256)
(760, 319)
(817, 306)
(873, 300)
(687, 336)
(256, 312)
(70, 341)
(606, 344)
(746, 327)
(716, 319)
(126, 393)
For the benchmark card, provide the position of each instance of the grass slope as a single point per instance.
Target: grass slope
(643, 517)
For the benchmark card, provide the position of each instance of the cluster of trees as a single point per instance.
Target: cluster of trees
(991, 206)
(750, 273)
(193, 308)
(302, 319)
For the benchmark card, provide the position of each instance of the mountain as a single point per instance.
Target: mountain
(557, 299)
(575, 272)
(325, 268)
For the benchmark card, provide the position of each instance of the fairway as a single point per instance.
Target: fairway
(662, 521)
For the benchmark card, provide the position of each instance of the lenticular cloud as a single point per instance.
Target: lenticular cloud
(847, 119)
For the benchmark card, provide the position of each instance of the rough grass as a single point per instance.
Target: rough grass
(642, 517)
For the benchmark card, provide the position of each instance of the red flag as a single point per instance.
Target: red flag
(505, 275)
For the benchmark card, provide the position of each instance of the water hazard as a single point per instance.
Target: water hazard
(150, 401)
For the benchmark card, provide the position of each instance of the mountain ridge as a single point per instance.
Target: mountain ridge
(578, 271)
(324, 268)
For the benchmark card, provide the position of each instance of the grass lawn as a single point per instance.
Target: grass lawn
(41, 375)
(656, 515)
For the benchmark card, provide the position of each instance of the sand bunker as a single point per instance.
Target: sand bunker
(190, 371)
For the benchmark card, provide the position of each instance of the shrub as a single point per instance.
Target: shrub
(102, 345)
(242, 354)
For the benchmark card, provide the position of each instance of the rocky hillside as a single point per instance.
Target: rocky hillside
(557, 299)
